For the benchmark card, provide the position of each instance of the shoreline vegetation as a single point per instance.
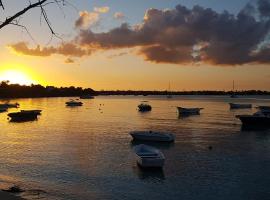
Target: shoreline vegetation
(35, 91)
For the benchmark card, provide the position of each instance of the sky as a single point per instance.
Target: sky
(140, 45)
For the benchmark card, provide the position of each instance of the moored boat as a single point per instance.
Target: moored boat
(9, 105)
(264, 109)
(189, 111)
(26, 115)
(258, 119)
(143, 107)
(239, 106)
(154, 136)
(3, 109)
(148, 156)
(73, 102)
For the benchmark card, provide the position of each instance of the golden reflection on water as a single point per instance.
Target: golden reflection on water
(90, 147)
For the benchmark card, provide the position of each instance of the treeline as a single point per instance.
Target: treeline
(21, 91)
(205, 92)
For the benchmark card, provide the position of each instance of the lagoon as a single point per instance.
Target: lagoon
(86, 152)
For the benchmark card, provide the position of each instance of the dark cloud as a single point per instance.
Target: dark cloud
(171, 35)
(183, 35)
(264, 8)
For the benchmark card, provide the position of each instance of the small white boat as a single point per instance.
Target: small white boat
(189, 111)
(154, 136)
(73, 102)
(239, 106)
(148, 156)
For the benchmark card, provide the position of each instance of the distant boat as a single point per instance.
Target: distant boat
(233, 95)
(24, 115)
(264, 109)
(258, 119)
(143, 107)
(87, 96)
(73, 102)
(9, 105)
(3, 109)
(154, 136)
(169, 96)
(189, 111)
(148, 156)
(239, 106)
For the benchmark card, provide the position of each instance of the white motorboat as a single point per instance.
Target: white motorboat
(154, 136)
(73, 102)
(189, 111)
(239, 106)
(148, 156)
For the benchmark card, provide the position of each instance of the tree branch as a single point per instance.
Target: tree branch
(1, 4)
(10, 19)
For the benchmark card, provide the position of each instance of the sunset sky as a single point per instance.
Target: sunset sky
(140, 45)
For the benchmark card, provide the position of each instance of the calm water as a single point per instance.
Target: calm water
(86, 152)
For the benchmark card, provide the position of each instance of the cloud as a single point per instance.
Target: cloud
(104, 9)
(118, 54)
(119, 15)
(171, 36)
(264, 8)
(86, 19)
(65, 49)
(182, 35)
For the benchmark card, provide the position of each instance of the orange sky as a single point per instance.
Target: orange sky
(119, 68)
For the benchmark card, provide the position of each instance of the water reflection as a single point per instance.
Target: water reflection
(254, 128)
(149, 174)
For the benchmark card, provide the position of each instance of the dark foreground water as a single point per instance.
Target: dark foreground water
(86, 152)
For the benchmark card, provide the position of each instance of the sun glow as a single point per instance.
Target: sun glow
(16, 77)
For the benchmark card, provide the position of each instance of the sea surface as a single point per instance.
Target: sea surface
(85, 153)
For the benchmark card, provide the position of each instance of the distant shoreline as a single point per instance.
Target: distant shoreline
(38, 91)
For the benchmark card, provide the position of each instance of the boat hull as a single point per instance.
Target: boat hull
(152, 136)
(144, 107)
(22, 116)
(150, 162)
(239, 106)
(189, 111)
(72, 104)
(254, 121)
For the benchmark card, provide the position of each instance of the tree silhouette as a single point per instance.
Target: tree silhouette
(41, 4)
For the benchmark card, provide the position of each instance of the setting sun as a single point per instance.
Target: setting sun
(16, 77)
